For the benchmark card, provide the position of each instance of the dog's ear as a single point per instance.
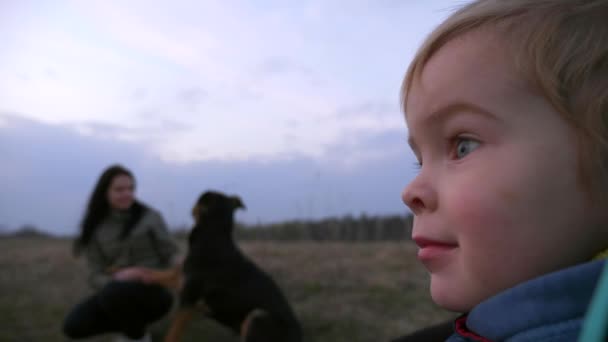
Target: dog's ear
(237, 203)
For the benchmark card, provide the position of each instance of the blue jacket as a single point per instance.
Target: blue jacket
(548, 308)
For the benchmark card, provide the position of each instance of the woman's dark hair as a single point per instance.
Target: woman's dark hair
(98, 208)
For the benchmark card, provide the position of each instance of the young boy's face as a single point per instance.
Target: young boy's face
(497, 200)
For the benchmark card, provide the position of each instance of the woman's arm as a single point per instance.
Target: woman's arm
(163, 242)
(167, 248)
(100, 272)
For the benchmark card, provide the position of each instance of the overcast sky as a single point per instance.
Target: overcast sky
(293, 105)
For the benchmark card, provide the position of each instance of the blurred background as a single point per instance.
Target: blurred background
(294, 106)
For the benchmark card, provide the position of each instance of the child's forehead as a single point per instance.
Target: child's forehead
(463, 68)
(471, 53)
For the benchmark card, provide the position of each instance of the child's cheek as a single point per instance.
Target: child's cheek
(481, 211)
(485, 224)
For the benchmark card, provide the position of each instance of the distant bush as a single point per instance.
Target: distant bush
(28, 231)
(181, 232)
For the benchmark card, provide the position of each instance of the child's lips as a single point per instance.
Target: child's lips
(432, 249)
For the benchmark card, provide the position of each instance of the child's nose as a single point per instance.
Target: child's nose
(419, 196)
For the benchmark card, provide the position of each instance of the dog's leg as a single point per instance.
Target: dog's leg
(259, 326)
(246, 325)
(178, 324)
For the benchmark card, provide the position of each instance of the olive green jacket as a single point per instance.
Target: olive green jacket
(149, 245)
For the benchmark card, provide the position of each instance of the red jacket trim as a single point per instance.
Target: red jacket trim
(460, 327)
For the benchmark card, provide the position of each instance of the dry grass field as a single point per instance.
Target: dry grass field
(340, 291)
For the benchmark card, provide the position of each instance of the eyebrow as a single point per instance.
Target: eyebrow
(450, 110)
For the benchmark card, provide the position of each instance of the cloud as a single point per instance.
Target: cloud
(138, 94)
(102, 130)
(218, 82)
(191, 98)
(49, 170)
(280, 66)
(368, 147)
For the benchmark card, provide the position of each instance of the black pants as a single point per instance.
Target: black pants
(121, 306)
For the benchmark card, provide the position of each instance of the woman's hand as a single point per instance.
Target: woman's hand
(131, 274)
(169, 278)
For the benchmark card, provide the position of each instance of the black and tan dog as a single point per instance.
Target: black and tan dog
(230, 287)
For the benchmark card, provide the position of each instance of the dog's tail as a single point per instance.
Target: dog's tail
(260, 326)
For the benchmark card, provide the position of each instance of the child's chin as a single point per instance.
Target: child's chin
(449, 298)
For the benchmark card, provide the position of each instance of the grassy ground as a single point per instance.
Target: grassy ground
(340, 291)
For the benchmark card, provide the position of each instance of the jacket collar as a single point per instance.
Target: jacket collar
(556, 297)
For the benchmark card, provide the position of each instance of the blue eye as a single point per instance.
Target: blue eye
(465, 146)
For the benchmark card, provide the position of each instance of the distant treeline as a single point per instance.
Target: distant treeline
(347, 228)
(26, 231)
